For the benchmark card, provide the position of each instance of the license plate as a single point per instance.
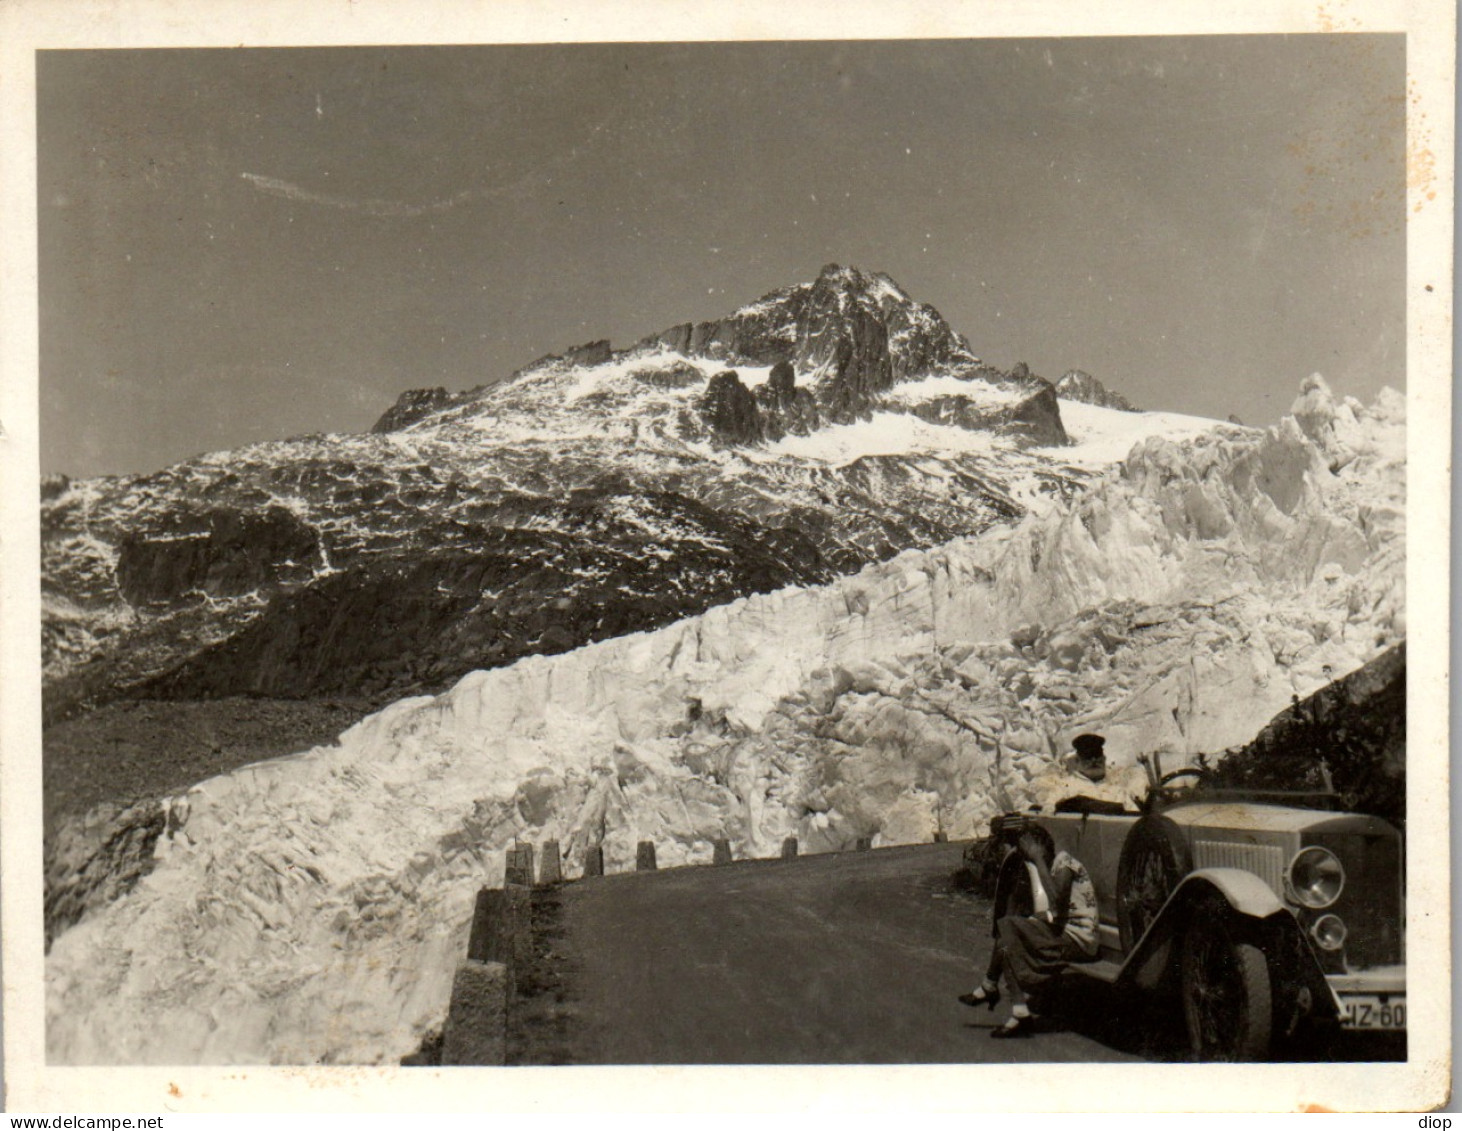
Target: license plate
(1373, 1011)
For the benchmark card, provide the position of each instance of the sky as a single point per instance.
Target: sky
(240, 245)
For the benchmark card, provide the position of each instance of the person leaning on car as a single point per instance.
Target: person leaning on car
(1031, 950)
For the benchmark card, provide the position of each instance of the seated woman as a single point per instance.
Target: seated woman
(1031, 950)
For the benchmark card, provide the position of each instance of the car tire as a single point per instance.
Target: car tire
(1154, 860)
(1012, 889)
(1227, 1000)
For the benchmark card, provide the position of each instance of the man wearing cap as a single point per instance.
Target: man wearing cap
(1090, 757)
(1084, 773)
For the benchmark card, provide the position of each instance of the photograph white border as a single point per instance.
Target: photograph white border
(1421, 1083)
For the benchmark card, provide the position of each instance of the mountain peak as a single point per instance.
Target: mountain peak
(1077, 385)
(841, 344)
(850, 334)
(875, 284)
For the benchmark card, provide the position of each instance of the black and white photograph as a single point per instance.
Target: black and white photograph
(622, 549)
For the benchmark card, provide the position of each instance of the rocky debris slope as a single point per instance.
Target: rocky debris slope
(311, 909)
(1352, 731)
(824, 427)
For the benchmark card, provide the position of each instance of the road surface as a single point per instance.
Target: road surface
(852, 957)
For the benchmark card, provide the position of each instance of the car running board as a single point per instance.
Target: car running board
(1101, 969)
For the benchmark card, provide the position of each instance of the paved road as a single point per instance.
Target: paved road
(838, 958)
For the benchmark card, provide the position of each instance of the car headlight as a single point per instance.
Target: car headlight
(1328, 932)
(1316, 876)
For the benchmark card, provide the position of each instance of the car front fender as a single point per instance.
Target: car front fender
(1152, 959)
(1245, 892)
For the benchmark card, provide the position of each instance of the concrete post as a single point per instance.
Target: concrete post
(720, 852)
(865, 843)
(499, 921)
(485, 944)
(645, 856)
(594, 860)
(550, 866)
(789, 848)
(477, 1031)
(520, 865)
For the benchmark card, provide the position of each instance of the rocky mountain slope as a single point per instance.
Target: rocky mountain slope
(310, 909)
(824, 427)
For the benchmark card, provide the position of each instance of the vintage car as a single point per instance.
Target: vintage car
(1261, 912)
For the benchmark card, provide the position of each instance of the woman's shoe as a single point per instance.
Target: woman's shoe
(1015, 1027)
(982, 996)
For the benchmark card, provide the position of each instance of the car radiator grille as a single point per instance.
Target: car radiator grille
(1265, 860)
(1370, 903)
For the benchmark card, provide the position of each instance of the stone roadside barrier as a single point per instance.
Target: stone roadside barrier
(520, 865)
(477, 1018)
(484, 984)
(519, 868)
(550, 864)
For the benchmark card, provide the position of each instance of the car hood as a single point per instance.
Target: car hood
(1277, 818)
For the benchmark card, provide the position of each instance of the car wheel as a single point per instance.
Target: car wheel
(1154, 860)
(1226, 990)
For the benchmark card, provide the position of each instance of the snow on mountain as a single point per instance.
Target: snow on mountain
(311, 909)
(596, 492)
(943, 384)
(1100, 436)
(883, 434)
